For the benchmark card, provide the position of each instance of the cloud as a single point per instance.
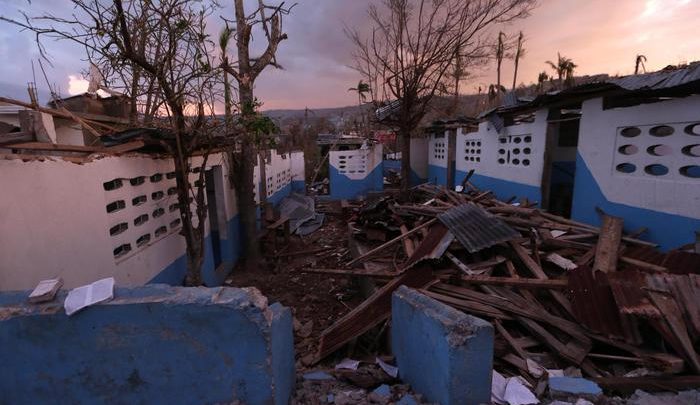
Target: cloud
(601, 36)
(77, 85)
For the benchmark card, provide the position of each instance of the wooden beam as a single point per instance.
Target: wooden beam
(608, 246)
(55, 147)
(391, 242)
(516, 282)
(14, 137)
(125, 147)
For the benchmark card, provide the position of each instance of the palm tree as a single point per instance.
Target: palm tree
(564, 69)
(519, 53)
(361, 89)
(640, 62)
(500, 54)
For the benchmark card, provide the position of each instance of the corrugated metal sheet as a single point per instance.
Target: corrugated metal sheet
(663, 79)
(593, 303)
(475, 228)
(682, 263)
(628, 290)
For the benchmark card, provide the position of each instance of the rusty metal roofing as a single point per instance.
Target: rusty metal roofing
(476, 228)
(628, 290)
(593, 303)
(433, 245)
(682, 262)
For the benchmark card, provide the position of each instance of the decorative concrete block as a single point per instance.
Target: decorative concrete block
(153, 344)
(444, 354)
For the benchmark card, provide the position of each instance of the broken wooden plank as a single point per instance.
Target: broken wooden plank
(370, 313)
(391, 242)
(655, 383)
(516, 282)
(125, 147)
(345, 272)
(679, 338)
(608, 246)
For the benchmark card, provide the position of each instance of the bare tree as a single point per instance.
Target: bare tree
(412, 45)
(159, 53)
(519, 53)
(245, 70)
(639, 61)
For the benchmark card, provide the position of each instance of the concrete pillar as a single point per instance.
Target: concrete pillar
(443, 353)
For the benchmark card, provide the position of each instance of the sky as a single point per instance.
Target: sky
(601, 36)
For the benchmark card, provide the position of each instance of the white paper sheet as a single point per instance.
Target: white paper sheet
(388, 368)
(510, 391)
(347, 364)
(84, 296)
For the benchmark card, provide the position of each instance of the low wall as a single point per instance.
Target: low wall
(444, 354)
(152, 344)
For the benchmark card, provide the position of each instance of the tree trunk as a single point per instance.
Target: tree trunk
(515, 72)
(243, 175)
(194, 238)
(405, 137)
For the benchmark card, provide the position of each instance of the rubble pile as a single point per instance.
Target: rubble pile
(566, 299)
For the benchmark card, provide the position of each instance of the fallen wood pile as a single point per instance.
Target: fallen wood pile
(560, 294)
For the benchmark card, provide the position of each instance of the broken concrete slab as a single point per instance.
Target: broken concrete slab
(445, 354)
(151, 344)
(566, 387)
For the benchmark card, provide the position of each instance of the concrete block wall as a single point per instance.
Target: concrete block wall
(152, 344)
(419, 160)
(355, 173)
(438, 146)
(285, 173)
(56, 222)
(443, 353)
(632, 170)
(509, 163)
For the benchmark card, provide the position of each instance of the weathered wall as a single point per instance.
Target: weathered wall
(510, 163)
(438, 145)
(355, 173)
(419, 161)
(444, 354)
(153, 344)
(667, 204)
(54, 221)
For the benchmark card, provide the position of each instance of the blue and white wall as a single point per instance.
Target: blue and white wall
(419, 161)
(438, 145)
(509, 163)
(354, 173)
(641, 163)
(298, 172)
(55, 220)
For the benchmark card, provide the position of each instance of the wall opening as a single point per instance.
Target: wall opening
(559, 170)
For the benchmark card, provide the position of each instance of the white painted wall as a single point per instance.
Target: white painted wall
(54, 221)
(419, 156)
(437, 149)
(487, 152)
(356, 164)
(297, 166)
(600, 139)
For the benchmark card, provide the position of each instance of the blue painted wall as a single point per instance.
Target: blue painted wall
(668, 230)
(299, 186)
(437, 175)
(343, 188)
(444, 354)
(150, 345)
(503, 189)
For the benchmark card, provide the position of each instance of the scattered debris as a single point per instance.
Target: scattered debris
(46, 290)
(91, 294)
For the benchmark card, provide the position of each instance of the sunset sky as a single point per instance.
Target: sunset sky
(601, 36)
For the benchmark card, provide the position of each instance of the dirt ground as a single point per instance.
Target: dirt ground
(316, 300)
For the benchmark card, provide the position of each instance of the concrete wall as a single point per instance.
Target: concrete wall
(444, 354)
(285, 172)
(55, 223)
(355, 173)
(438, 145)
(419, 160)
(150, 345)
(510, 163)
(668, 204)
